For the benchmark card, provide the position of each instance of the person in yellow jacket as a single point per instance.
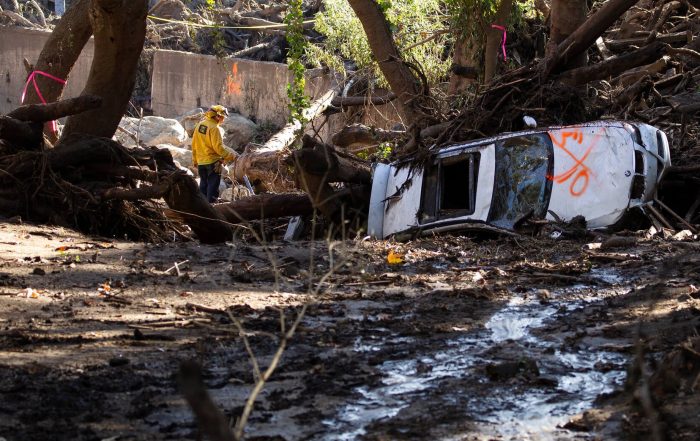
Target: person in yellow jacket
(208, 151)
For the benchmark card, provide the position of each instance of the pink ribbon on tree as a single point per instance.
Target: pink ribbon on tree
(503, 40)
(32, 79)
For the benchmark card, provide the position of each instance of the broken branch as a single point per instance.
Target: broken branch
(54, 111)
(586, 34)
(614, 66)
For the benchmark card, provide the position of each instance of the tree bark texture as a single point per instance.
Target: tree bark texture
(614, 66)
(317, 166)
(265, 165)
(400, 77)
(567, 16)
(265, 206)
(52, 111)
(323, 160)
(349, 101)
(358, 134)
(464, 57)
(84, 181)
(586, 34)
(119, 27)
(61, 51)
(494, 38)
(190, 205)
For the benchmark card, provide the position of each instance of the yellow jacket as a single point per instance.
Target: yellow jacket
(207, 145)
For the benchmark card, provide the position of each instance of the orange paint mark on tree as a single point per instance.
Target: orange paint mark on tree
(580, 172)
(233, 82)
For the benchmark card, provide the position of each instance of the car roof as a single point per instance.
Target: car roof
(507, 135)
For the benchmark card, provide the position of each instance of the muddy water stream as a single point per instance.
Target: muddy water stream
(516, 377)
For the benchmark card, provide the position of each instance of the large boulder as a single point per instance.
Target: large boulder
(181, 155)
(151, 131)
(170, 9)
(190, 119)
(235, 193)
(238, 131)
(187, 170)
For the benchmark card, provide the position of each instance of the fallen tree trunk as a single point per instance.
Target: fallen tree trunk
(18, 19)
(190, 204)
(323, 160)
(92, 184)
(348, 101)
(358, 134)
(247, 52)
(623, 44)
(586, 34)
(22, 128)
(265, 165)
(317, 166)
(614, 66)
(53, 111)
(265, 206)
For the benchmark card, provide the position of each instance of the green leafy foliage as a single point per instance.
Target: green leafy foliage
(411, 22)
(381, 153)
(473, 17)
(298, 101)
(218, 39)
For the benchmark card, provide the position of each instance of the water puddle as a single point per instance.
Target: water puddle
(507, 411)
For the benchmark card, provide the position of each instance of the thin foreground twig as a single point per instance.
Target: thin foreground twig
(211, 419)
(243, 420)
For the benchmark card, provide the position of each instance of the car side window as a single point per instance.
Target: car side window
(522, 188)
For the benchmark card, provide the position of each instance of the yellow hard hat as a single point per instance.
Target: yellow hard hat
(218, 110)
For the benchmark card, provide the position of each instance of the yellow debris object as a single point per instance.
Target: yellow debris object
(394, 258)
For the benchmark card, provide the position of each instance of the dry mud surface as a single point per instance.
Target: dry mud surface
(464, 339)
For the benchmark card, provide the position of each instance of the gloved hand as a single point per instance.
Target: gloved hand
(230, 160)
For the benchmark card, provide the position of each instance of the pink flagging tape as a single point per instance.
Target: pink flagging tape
(503, 40)
(32, 79)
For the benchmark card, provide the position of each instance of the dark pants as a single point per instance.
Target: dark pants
(209, 181)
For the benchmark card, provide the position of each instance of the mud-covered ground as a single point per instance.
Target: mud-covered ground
(461, 339)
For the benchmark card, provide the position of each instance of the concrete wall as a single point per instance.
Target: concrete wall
(19, 43)
(183, 81)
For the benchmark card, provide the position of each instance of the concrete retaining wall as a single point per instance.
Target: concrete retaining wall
(19, 43)
(183, 81)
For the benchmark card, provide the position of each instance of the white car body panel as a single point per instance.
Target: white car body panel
(400, 211)
(593, 171)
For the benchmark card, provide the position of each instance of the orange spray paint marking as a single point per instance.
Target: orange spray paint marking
(580, 172)
(233, 83)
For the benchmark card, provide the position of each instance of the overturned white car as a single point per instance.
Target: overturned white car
(598, 170)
